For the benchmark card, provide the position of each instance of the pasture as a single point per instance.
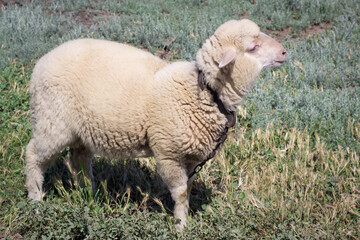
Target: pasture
(289, 169)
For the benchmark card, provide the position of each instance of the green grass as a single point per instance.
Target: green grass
(289, 169)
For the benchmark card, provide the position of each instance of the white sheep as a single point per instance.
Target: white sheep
(97, 96)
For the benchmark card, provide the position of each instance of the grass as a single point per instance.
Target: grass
(289, 169)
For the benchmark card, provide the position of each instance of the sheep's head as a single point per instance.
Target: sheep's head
(235, 55)
(243, 38)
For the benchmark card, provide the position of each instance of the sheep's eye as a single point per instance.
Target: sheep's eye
(254, 48)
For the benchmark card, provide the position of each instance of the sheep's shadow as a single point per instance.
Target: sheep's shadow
(127, 181)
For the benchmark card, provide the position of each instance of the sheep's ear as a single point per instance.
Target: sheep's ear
(228, 57)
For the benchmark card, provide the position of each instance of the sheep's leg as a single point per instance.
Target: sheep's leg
(175, 177)
(81, 164)
(39, 158)
(190, 168)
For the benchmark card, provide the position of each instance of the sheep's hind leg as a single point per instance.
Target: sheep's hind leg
(175, 177)
(80, 165)
(39, 157)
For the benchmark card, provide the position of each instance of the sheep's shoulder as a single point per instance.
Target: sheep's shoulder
(186, 113)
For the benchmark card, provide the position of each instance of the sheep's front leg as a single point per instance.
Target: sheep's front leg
(175, 177)
(80, 164)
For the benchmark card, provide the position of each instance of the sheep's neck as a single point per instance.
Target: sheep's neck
(230, 115)
(233, 86)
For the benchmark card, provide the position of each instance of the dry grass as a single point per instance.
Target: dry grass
(284, 175)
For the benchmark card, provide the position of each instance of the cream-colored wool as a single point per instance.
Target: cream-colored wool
(112, 99)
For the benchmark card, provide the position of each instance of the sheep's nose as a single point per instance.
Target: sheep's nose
(283, 54)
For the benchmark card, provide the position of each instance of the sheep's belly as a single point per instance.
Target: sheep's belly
(140, 151)
(120, 145)
(125, 151)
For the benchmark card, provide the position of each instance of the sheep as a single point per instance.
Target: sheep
(112, 99)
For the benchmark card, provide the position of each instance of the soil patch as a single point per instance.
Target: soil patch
(86, 17)
(11, 236)
(316, 29)
(4, 3)
(309, 31)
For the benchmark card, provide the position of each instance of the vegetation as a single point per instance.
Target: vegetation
(289, 169)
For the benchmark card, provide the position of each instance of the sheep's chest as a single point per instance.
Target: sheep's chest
(213, 129)
(204, 127)
(205, 134)
(208, 145)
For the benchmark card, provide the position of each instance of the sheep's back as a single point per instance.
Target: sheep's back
(97, 88)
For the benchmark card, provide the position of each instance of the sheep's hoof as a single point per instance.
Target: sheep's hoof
(180, 224)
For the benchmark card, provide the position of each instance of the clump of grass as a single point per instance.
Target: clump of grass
(316, 90)
(298, 14)
(15, 130)
(293, 185)
(28, 32)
